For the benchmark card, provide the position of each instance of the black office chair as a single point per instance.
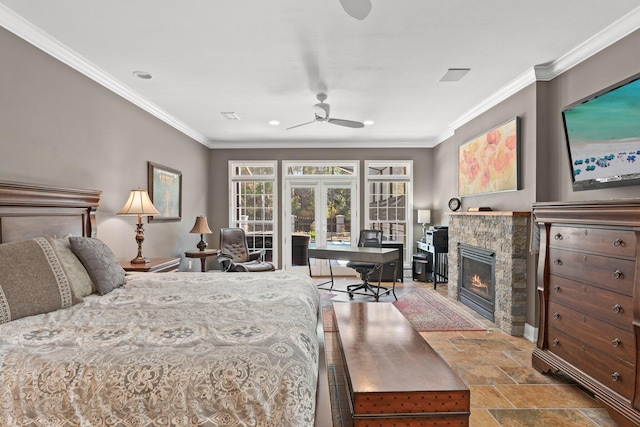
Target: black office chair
(234, 253)
(368, 239)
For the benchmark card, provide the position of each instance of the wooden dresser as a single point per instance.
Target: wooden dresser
(589, 297)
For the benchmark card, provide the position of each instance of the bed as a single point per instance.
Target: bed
(163, 349)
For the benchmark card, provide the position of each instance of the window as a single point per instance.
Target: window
(253, 203)
(388, 200)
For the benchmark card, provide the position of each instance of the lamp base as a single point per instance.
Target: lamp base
(202, 245)
(139, 260)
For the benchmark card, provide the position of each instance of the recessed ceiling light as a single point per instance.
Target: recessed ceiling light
(454, 74)
(368, 122)
(230, 115)
(142, 75)
(274, 122)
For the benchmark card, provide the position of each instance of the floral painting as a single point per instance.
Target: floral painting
(489, 163)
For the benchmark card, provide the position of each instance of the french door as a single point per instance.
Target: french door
(319, 211)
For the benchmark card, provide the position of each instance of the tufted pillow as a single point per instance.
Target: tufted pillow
(32, 280)
(100, 262)
(78, 275)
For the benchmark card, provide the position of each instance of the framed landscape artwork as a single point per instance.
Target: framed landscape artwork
(165, 190)
(489, 163)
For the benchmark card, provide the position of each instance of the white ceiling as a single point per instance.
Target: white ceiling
(267, 59)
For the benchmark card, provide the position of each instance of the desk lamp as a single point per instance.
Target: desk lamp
(424, 218)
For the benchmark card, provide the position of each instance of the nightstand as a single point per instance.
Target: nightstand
(203, 255)
(155, 265)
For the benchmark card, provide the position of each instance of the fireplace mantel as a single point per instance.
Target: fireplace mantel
(492, 213)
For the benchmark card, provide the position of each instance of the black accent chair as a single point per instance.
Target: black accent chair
(234, 254)
(368, 239)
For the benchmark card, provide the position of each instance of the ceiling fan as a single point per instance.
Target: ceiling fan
(321, 111)
(358, 9)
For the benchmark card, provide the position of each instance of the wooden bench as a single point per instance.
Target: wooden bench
(392, 375)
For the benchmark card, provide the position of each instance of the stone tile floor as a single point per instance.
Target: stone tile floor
(505, 389)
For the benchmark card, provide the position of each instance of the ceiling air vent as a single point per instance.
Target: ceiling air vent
(230, 115)
(454, 74)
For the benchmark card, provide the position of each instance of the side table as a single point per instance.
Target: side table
(203, 255)
(155, 265)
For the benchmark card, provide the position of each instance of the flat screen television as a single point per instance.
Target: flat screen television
(603, 137)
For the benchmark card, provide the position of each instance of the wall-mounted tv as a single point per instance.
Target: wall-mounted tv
(603, 137)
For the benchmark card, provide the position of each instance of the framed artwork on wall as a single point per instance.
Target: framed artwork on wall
(489, 162)
(165, 190)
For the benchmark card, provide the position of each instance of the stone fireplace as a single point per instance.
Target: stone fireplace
(502, 236)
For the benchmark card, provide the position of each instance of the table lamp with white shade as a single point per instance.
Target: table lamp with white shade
(424, 218)
(139, 204)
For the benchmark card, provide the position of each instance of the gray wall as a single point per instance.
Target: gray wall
(58, 127)
(219, 159)
(544, 166)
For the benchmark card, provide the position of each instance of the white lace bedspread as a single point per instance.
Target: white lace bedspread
(179, 349)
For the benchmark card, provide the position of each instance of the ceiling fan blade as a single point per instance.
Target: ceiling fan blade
(347, 123)
(358, 9)
(301, 124)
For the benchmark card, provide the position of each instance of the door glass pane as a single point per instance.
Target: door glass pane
(338, 216)
(303, 222)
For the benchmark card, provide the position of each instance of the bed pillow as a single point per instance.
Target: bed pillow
(100, 262)
(32, 280)
(78, 276)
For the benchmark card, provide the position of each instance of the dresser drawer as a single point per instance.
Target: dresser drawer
(613, 373)
(616, 242)
(610, 340)
(610, 307)
(610, 273)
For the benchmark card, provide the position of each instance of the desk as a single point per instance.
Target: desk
(203, 255)
(378, 256)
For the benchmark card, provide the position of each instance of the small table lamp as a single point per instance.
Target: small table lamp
(424, 218)
(201, 227)
(139, 204)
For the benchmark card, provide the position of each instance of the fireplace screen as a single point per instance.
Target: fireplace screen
(477, 279)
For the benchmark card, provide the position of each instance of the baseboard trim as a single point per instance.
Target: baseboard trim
(530, 332)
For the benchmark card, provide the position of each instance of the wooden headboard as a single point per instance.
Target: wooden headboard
(31, 210)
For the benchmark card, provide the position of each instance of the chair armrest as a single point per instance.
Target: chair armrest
(225, 259)
(257, 255)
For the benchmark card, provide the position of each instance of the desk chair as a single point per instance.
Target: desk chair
(368, 239)
(234, 253)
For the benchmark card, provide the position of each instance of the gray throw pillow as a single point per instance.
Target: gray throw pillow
(32, 280)
(78, 276)
(100, 262)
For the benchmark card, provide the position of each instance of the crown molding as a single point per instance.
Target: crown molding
(25, 30)
(545, 72)
(600, 41)
(256, 145)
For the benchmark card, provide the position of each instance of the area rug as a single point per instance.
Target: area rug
(429, 311)
(426, 310)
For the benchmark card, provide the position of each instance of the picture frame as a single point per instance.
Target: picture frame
(489, 163)
(165, 191)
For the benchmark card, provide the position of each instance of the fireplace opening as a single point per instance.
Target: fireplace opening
(477, 279)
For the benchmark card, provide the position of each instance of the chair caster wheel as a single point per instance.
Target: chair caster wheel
(350, 296)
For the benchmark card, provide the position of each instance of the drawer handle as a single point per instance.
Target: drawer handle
(617, 308)
(556, 315)
(617, 274)
(615, 376)
(558, 262)
(558, 236)
(556, 289)
(616, 342)
(618, 243)
(556, 342)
